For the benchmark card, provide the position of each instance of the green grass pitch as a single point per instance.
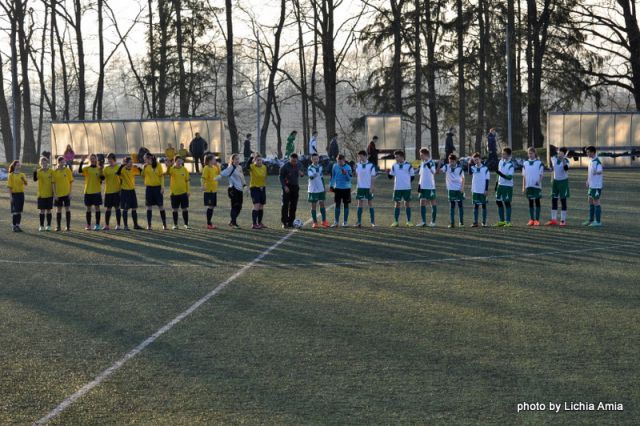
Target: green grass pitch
(342, 326)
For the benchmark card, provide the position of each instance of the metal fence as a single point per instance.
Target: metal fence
(127, 136)
(616, 135)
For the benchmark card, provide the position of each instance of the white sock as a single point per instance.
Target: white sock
(563, 215)
(554, 214)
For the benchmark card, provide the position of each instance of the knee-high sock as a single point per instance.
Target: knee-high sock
(175, 218)
(68, 217)
(314, 216)
(260, 215)
(118, 216)
(554, 208)
(500, 210)
(396, 213)
(346, 214)
(88, 216)
(563, 212)
(598, 213)
(531, 210)
(423, 213)
(134, 216)
(149, 216)
(41, 219)
(461, 212)
(323, 213)
(59, 219)
(434, 213)
(98, 214)
(508, 209)
(484, 213)
(185, 217)
(408, 213)
(125, 218)
(592, 212)
(163, 217)
(372, 214)
(49, 217)
(209, 215)
(254, 216)
(107, 217)
(538, 208)
(359, 212)
(452, 212)
(337, 214)
(18, 218)
(476, 211)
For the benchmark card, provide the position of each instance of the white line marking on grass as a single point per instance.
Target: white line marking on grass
(149, 340)
(123, 265)
(448, 259)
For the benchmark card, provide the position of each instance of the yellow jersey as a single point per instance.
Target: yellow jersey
(170, 153)
(180, 180)
(183, 153)
(62, 179)
(153, 177)
(209, 182)
(15, 182)
(258, 176)
(128, 178)
(92, 179)
(111, 179)
(45, 183)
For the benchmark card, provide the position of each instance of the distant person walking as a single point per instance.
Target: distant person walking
(247, 148)
(197, 147)
(334, 149)
(291, 144)
(449, 147)
(313, 143)
(372, 152)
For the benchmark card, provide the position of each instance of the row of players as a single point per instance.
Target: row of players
(55, 188)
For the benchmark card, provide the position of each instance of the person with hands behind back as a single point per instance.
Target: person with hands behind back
(289, 176)
(340, 185)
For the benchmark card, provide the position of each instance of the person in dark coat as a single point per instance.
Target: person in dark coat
(372, 152)
(247, 148)
(290, 173)
(198, 147)
(449, 147)
(492, 150)
(333, 150)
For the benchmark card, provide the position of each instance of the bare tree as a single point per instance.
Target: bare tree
(231, 119)
(5, 120)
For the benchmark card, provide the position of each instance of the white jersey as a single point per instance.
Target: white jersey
(595, 180)
(365, 172)
(532, 171)
(428, 175)
(403, 173)
(454, 177)
(506, 168)
(480, 179)
(313, 145)
(316, 181)
(559, 173)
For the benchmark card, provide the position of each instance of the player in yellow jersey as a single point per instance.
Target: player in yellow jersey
(128, 199)
(93, 178)
(44, 177)
(112, 187)
(209, 179)
(258, 188)
(154, 192)
(180, 191)
(16, 183)
(170, 152)
(62, 187)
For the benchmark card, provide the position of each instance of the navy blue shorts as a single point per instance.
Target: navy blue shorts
(45, 203)
(17, 202)
(63, 201)
(153, 196)
(211, 199)
(93, 199)
(112, 200)
(180, 201)
(128, 199)
(259, 195)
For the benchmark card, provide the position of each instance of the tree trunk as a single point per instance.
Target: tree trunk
(396, 70)
(481, 75)
(14, 154)
(97, 103)
(29, 148)
(418, 76)
(53, 105)
(516, 109)
(271, 90)
(461, 92)
(277, 122)
(5, 119)
(303, 78)
(43, 88)
(65, 76)
(152, 64)
(164, 18)
(82, 90)
(431, 80)
(314, 67)
(231, 118)
(633, 31)
(329, 64)
(182, 82)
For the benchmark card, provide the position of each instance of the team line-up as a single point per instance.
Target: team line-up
(55, 189)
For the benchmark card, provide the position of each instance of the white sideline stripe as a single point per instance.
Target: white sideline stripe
(450, 259)
(123, 265)
(149, 340)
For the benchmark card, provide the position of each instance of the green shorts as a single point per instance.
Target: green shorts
(595, 193)
(504, 193)
(479, 198)
(427, 194)
(402, 194)
(314, 197)
(560, 189)
(364, 194)
(456, 196)
(533, 193)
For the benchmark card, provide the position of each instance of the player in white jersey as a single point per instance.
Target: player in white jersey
(594, 183)
(560, 187)
(532, 173)
(504, 188)
(455, 187)
(316, 190)
(404, 174)
(366, 173)
(479, 189)
(427, 187)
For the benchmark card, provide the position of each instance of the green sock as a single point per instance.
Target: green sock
(408, 214)
(423, 213)
(314, 215)
(509, 214)
(346, 214)
(537, 213)
(372, 213)
(531, 213)
(323, 213)
(396, 213)
(598, 213)
(359, 214)
(592, 212)
(434, 212)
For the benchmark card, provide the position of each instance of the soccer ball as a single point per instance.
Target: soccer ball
(297, 223)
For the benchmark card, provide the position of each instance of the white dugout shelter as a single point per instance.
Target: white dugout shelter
(616, 135)
(126, 137)
(388, 129)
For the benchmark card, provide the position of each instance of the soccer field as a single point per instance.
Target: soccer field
(329, 326)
